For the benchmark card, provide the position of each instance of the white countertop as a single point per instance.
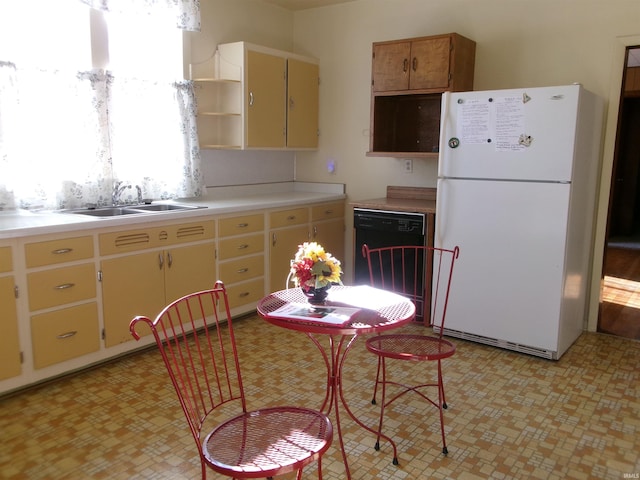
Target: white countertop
(218, 200)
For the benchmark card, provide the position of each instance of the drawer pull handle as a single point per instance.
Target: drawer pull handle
(64, 286)
(62, 336)
(169, 259)
(242, 270)
(244, 246)
(328, 212)
(243, 225)
(61, 251)
(244, 294)
(291, 217)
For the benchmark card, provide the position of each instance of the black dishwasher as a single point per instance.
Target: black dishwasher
(384, 228)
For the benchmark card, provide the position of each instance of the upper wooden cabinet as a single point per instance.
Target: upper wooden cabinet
(439, 63)
(253, 97)
(408, 78)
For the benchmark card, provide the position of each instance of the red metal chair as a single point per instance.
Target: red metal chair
(398, 269)
(205, 372)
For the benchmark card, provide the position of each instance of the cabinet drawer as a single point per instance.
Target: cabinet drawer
(327, 211)
(61, 285)
(240, 246)
(6, 263)
(64, 334)
(58, 251)
(245, 293)
(242, 269)
(284, 218)
(239, 225)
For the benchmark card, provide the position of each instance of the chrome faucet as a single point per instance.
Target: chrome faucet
(139, 190)
(118, 188)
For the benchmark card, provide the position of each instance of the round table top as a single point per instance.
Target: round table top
(377, 310)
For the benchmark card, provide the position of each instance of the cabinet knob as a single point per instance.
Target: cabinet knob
(251, 99)
(405, 65)
(414, 63)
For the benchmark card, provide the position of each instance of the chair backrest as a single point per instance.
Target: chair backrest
(196, 341)
(422, 274)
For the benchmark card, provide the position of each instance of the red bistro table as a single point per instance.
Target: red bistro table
(379, 311)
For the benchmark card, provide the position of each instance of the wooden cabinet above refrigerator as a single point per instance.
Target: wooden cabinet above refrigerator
(407, 79)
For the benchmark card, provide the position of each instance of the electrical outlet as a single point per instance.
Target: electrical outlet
(408, 165)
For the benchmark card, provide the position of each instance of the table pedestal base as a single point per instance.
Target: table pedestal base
(334, 357)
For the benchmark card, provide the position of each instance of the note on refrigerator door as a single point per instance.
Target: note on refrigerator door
(473, 121)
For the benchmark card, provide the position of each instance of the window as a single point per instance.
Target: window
(88, 99)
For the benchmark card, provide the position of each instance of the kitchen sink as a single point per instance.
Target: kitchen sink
(104, 212)
(163, 207)
(132, 210)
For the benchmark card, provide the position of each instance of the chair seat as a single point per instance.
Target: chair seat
(266, 442)
(410, 347)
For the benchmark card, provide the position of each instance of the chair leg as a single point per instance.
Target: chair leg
(375, 388)
(441, 406)
(381, 368)
(441, 386)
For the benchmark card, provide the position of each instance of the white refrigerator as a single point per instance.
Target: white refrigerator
(517, 178)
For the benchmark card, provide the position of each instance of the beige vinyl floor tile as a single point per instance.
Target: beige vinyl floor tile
(510, 416)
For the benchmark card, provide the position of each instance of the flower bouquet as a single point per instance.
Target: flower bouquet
(315, 270)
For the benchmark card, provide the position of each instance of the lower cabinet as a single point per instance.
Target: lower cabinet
(288, 229)
(327, 228)
(61, 293)
(67, 300)
(142, 283)
(10, 359)
(241, 260)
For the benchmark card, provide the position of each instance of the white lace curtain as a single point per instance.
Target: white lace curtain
(185, 12)
(67, 137)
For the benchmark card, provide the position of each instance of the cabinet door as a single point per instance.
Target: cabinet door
(302, 108)
(330, 235)
(9, 341)
(266, 100)
(391, 62)
(283, 246)
(189, 269)
(131, 285)
(430, 63)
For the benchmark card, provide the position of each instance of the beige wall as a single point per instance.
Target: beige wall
(520, 43)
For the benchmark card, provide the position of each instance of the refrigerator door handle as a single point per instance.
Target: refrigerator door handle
(444, 115)
(442, 207)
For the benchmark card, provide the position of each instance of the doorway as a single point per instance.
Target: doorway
(620, 305)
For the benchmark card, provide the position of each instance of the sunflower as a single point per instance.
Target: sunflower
(313, 267)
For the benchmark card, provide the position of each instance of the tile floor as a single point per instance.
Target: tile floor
(510, 416)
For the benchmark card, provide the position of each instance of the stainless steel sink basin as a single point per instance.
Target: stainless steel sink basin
(163, 207)
(104, 212)
(132, 210)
